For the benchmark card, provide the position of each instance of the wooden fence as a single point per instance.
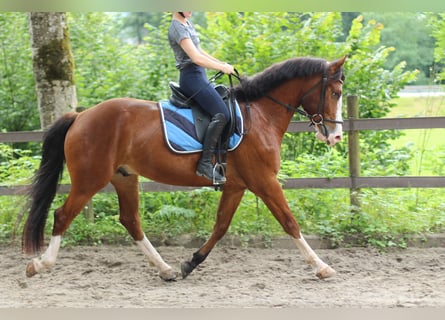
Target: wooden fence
(354, 182)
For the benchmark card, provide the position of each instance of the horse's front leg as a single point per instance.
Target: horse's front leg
(228, 203)
(321, 269)
(273, 197)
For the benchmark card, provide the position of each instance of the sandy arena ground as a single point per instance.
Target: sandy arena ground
(120, 276)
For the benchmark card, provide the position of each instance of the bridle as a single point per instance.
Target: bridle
(316, 118)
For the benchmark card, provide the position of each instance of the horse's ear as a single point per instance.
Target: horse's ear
(335, 66)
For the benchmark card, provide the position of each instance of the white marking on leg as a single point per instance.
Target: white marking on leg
(165, 271)
(48, 259)
(322, 270)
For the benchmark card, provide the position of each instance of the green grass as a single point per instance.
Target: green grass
(418, 107)
(425, 143)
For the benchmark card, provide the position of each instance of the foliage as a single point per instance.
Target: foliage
(83, 232)
(16, 165)
(133, 25)
(417, 53)
(174, 213)
(107, 67)
(376, 87)
(18, 100)
(330, 164)
(437, 22)
(382, 220)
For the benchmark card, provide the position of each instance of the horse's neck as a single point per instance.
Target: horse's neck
(267, 115)
(279, 116)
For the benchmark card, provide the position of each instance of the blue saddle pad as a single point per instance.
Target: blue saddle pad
(180, 133)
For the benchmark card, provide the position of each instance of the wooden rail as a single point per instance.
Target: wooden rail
(293, 183)
(294, 127)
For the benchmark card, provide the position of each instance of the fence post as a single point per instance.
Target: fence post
(354, 152)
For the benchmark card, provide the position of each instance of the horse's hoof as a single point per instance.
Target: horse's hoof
(326, 272)
(168, 275)
(186, 269)
(30, 270)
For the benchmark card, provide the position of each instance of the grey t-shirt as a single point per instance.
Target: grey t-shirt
(178, 32)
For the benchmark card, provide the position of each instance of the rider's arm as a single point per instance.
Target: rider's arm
(203, 59)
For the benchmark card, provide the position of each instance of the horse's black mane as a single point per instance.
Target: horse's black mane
(257, 86)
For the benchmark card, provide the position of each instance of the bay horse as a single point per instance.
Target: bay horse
(120, 139)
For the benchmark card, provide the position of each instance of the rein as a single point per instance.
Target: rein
(316, 118)
(237, 76)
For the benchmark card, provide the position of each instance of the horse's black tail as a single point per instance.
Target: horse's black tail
(45, 182)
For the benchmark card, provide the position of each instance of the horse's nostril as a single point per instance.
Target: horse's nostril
(338, 137)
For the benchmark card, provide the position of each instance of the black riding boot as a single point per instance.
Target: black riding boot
(205, 164)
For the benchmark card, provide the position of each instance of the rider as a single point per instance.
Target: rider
(192, 62)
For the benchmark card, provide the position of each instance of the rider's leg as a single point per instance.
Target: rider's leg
(193, 82)
(205, 164)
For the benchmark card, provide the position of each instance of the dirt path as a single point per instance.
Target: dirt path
(119, 276)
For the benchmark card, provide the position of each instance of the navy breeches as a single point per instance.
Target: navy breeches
(193, 79)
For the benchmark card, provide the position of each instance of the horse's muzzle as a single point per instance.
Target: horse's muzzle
(331, 139)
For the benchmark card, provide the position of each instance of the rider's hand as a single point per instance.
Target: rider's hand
(227, 68)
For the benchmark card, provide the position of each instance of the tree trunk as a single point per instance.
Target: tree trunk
(53, 65)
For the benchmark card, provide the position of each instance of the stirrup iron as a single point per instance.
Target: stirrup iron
(219, 168)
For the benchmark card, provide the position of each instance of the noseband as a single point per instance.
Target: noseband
(316, 118)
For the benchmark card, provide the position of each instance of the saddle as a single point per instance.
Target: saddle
(201, 117)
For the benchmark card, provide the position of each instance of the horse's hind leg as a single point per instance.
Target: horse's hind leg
(62, 219)
(127, 189)
(45, 261)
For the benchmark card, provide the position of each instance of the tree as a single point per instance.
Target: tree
(410, 36)
(53, 65)
(133, 25)
(437, 22)
(138, 26)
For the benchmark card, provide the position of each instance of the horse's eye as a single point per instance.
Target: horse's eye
(335, 95)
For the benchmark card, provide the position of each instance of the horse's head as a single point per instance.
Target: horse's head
(323, 103)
